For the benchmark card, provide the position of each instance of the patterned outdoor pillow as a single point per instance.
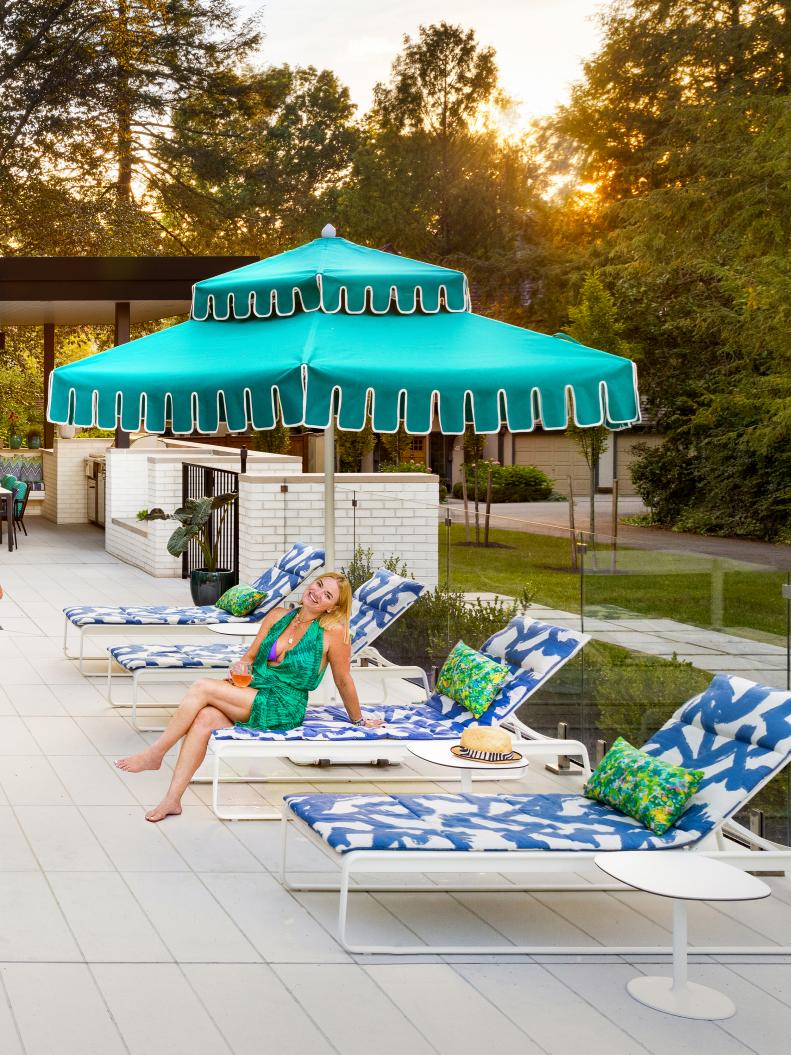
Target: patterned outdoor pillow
(653, 792)
(241, 599)
(471, 679)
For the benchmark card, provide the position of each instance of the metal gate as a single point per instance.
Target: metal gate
(202, 481)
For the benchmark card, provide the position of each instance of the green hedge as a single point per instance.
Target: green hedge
(510, 483)
(413, 467)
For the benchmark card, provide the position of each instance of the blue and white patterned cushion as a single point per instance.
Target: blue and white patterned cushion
(522, 642)
(378, 603)
(737, 732)
(475, 822)
(278, 581)
(176, 657)
(287, 573)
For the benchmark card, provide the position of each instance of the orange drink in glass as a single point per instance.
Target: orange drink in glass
(241, 673)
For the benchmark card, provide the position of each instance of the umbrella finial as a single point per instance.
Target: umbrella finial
(328, 231)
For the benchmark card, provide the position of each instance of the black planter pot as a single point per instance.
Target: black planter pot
(207, 586)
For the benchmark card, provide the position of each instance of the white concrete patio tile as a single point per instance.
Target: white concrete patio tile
(242, 997)
(607, 919)
(106, 919)
(132, 843)
(762, 1022)
(188, 918)
(82, 700)
(448, 1011)
(15, 737)
(29, 780)
(90, 781)
(440, 918)
(369, 920)
(10, 1040)
(149, 788)
(34, 700)
(75, 1019)
(60, 736)
(354, 1012)
(61, 840)
(554, 1016)
(210, 845)
(263, 840)
(33, 928)
(280, 928)
(112, 735)
(15, 852)
(6, 706)
(603, 986)
(157, 1011)
(523, 919)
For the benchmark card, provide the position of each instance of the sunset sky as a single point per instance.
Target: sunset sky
(540, 44)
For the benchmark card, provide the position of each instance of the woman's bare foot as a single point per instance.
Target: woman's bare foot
(164, 809)
(138, 763)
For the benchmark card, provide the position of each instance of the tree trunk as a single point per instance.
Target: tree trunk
(123, 110)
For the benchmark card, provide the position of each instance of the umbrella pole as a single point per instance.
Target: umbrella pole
(329, 496)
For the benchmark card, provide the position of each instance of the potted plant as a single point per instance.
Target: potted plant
(33, 438)
(208, 583)
(14, 439)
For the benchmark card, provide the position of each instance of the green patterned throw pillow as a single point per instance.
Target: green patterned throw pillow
(654, 792)
(471, 679)
(241, 599)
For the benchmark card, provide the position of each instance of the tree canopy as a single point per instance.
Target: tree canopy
(657, 198)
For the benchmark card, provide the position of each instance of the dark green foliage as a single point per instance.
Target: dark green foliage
(510, 483)
(195, 518)
(426, 632)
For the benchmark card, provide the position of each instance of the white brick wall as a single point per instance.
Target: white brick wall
(66, 500)
(395, 514)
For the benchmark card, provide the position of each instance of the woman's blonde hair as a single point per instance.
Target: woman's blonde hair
(342, 612)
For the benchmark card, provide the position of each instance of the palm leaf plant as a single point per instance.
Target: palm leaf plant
(195, 518)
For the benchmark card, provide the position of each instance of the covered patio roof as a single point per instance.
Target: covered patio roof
(55, 291)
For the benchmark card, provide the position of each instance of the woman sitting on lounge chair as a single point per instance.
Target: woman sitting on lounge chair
(289, 656)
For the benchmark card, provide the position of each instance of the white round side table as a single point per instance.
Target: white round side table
(245, 631)
(439, 753)
(683, 876)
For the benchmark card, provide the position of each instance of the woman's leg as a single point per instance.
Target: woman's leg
(192, 753)
(235, 704)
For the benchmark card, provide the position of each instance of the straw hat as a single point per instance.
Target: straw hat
(486, 743)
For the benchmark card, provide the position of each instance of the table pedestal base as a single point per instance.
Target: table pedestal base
(688, 1000)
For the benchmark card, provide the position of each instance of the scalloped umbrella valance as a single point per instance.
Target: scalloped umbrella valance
(332, 331)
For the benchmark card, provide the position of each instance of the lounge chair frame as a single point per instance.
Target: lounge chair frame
(757, 855)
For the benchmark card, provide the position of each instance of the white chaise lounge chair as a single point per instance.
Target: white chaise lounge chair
(534, 652)
(375, 606)
(738, 732)
(285, 575)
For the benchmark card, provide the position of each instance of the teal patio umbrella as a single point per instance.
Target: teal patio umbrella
(333, 332)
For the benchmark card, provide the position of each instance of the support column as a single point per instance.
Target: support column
(49, 366)
(121, 336)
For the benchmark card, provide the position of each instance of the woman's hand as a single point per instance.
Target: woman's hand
(373, 723)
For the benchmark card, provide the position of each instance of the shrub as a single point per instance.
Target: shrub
(426, 632)
(413, 467)
(510, 483)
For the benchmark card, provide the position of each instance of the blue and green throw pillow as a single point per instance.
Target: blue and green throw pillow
(471, 679)
(241, 600)
(652, 791)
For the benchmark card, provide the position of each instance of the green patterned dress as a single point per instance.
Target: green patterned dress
(282, 696)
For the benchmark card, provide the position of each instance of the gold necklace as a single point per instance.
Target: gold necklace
(295, 621)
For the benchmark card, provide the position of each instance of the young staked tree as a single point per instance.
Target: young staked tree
(594, 322)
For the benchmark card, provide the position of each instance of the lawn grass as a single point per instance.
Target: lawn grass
(690, 588)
